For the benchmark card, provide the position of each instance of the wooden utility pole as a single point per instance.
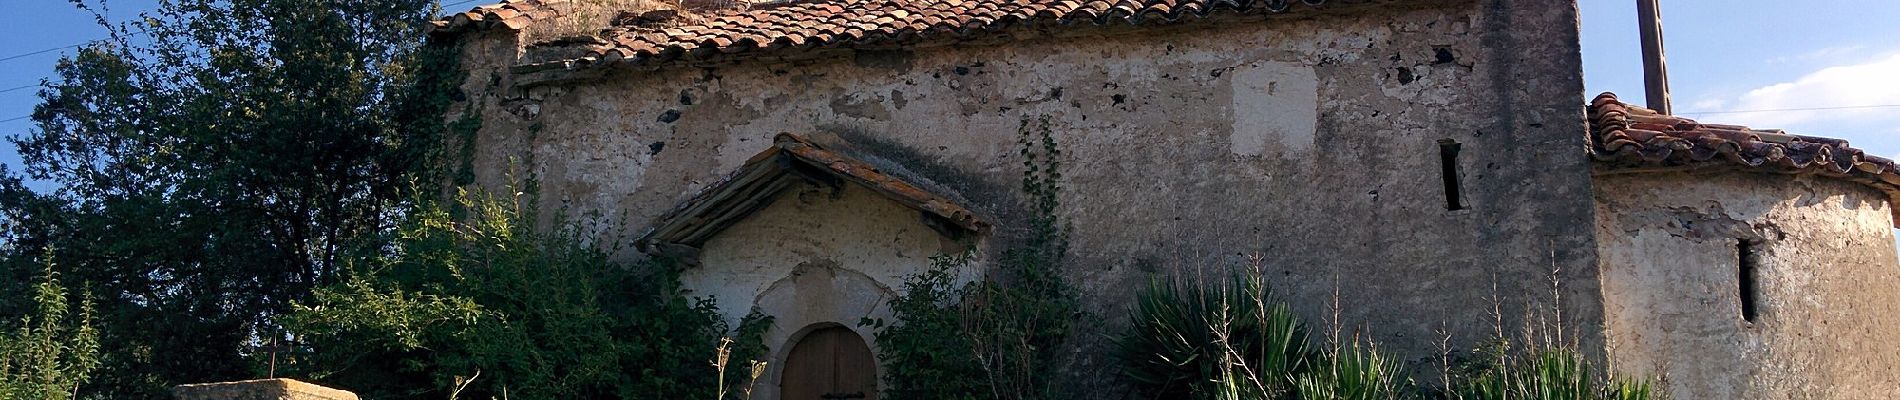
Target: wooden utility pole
(1655, 70)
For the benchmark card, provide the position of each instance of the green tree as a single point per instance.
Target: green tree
(214, 160)
(49, 355)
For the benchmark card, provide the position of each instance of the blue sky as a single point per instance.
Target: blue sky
(1763, 55)
(1725, 56)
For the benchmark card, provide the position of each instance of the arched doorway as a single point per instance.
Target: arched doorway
(829, 363)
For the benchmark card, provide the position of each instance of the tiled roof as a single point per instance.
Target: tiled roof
(1627, 136)
(791, 161)
(510, 14)
(663, 35)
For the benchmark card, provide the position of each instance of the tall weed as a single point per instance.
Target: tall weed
(51, 352)
(1547, 373)
(1227, 338)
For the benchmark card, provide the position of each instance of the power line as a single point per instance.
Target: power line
(19, 88)
(1794, 109)
(2, 121)
(31, 54)
(17, 56)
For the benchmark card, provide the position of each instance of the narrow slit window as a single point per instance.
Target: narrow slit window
(1448, 168)
(1748, 257)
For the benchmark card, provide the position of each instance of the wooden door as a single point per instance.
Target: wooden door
(829, 364)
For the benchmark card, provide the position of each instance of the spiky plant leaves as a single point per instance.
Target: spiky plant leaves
(1225, 338)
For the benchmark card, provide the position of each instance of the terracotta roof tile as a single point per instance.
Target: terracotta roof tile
(1624, 136)
(509, 14)
(825, 23)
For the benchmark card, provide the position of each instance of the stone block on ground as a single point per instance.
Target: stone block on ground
(260, 389)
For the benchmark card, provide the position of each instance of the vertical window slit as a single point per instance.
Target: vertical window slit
(1748, 258)
(1448, 168)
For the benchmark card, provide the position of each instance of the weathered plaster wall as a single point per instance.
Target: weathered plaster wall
(815, 257)
(1310, 139)
(1826, 283)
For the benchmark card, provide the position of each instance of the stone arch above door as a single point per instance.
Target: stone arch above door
(816, 295)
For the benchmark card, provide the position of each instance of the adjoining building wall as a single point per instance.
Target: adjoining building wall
(1313, 139)
(1809, 260)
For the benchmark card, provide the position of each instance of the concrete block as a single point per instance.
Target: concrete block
(260, 389)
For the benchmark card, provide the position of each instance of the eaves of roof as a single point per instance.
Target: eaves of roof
(823, 24)
(1626, 138)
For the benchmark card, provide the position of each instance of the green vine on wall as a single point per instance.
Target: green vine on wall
(1042, 176)
(465, 130)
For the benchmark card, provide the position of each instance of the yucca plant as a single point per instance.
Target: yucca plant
(1220, 338)
(1355, 371)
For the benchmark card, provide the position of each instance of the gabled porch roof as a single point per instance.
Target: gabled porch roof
(792, 160)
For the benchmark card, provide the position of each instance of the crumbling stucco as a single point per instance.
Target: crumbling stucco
(1824, 280)
(1176, 158)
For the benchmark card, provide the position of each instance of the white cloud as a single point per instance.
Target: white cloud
(1874, 82)
(1709, 105)
(1828, 54)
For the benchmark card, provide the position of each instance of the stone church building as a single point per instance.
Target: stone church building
(1423, 161)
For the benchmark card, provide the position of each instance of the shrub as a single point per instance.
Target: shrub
(923, 357)
(535, 315)
(1018, 331)
(1011, 326)
(982, 340)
